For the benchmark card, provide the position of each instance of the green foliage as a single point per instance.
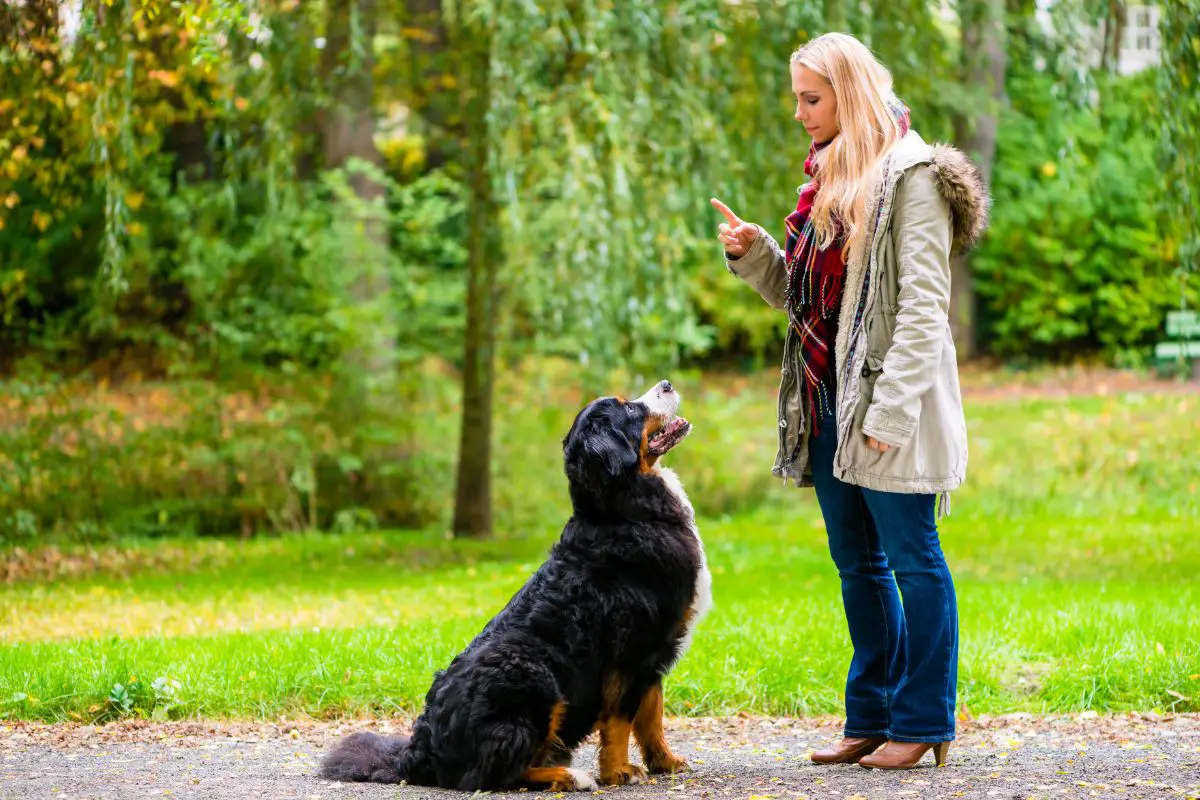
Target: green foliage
(1075, 261)
(603, 164)
(1179, 118)
(167, 215)
(88, 464)
(163, 192)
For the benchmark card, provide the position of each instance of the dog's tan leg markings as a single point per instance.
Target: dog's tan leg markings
(615, 769)
(553, 753)
(648, 729)
(560, 779)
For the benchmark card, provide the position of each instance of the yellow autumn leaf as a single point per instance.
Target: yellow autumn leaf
(19, 153)
(134, 200)
(41, 220)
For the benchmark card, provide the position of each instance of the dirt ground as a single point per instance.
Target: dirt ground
(752, 758)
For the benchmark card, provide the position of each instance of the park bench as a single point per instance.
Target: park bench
(1180, 355)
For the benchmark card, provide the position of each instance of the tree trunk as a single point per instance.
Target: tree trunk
(1114, 31)
(984, 61)
(348, 131)
(473, 494)
(1119, 19)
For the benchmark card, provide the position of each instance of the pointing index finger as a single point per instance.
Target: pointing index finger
(730, 217)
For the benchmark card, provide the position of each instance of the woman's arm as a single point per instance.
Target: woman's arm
(911, 363)
(763, 268)
(758, 259)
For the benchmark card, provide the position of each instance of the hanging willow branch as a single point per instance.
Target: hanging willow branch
(108, 42)
(606, 152)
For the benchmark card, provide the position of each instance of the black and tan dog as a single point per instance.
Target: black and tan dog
(584, 645)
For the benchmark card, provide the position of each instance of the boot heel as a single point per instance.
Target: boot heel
(939, 752)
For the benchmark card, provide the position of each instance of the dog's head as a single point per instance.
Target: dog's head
(614, 438)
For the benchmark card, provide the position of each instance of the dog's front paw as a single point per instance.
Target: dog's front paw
(580, 782)
(667, 763)
(624, 774)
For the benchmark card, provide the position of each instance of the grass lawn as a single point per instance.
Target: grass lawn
(1075, 548)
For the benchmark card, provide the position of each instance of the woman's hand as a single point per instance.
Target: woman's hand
(736, 235)
(875, 444)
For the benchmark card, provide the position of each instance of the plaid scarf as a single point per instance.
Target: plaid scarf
(816, 281)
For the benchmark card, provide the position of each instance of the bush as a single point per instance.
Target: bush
(1075, 261)
(81, 461)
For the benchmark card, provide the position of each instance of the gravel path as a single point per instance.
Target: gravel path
(1019, 756)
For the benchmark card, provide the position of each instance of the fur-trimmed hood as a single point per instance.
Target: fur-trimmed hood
(960, 182)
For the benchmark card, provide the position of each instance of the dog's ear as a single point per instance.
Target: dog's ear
(598, 446)
(610, 449)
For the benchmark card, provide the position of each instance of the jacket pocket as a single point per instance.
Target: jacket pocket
(881, 325)
(866, 389)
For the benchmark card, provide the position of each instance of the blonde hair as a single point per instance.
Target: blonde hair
(867, 131)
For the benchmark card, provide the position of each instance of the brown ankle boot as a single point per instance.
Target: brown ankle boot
(904, 755)
(847, 751)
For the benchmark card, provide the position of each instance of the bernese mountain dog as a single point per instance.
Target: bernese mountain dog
(584, 645)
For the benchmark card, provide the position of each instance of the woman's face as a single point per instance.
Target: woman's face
(816, 104)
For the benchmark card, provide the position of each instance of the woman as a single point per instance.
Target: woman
(869, 407)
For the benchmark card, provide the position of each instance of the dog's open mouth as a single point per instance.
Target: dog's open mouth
(669, 435)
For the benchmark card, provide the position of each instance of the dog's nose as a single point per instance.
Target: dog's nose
(666, 387)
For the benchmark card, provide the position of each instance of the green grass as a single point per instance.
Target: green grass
(1074, 547)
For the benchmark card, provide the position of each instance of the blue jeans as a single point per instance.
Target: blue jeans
(902, 678)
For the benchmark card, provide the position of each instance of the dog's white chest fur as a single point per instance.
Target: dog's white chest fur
(702, 600)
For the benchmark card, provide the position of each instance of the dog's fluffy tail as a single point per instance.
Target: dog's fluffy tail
(366, 756)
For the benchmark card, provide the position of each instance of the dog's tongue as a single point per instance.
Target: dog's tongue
(669, 436)
(673, 426)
